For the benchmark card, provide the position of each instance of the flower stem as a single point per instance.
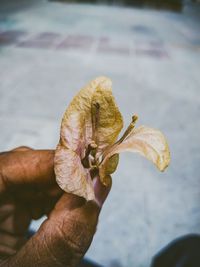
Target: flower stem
(124, 136)
(128, 130)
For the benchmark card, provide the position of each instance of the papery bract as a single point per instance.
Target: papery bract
(146, 141)
(92, 116)
(88, 146)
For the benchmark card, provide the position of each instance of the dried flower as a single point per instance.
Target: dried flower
(88, 146)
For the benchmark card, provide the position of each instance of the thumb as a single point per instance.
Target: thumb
(63, 239)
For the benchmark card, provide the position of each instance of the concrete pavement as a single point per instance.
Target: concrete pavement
(49, 50)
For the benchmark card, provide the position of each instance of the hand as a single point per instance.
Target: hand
(28, 190)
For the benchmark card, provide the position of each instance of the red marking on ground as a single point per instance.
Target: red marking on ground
(76, 41)
(106, 46)
(51, 40)
(10, 37)
(42, 40)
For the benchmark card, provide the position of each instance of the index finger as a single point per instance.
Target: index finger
(26, 167)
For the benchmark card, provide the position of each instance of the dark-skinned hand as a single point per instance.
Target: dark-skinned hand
(28, 190)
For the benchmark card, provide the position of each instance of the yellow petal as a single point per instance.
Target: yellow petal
(110, 119)
(146, 141)
(76, 127)
(78, 130)
(70, 174)
(109, 167)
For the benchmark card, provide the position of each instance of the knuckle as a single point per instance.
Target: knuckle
(22, 148)
(66, 240)
(69, 235)
(77, 235)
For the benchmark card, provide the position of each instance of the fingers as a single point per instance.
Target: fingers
(63, 238)
(22, 148)
(26, 167)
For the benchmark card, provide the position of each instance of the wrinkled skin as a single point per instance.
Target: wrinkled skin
(27, 191)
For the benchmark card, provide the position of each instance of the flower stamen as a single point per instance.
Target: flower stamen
(128, 130)
(95, 121)
(89, 160)
(124, 136)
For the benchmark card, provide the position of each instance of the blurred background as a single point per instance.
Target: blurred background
(151, 51)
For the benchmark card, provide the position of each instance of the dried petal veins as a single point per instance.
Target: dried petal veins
(71, 176)
(82, 125)
(146, 141)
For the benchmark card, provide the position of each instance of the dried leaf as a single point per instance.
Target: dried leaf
(92, 117)
(108, 167)
(146, 141)
(76, 127)
(88, 147)
(71, 176)
(111, 164)
(110, 120)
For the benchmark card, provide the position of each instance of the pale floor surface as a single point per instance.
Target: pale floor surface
(49, 50)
